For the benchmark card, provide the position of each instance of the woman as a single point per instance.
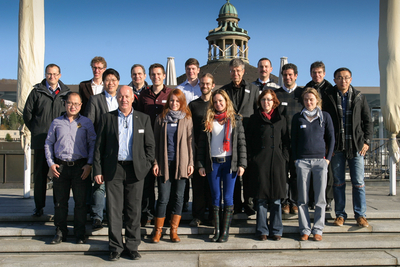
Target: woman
(312, 146)
(267, 148)
(222, 156)
(173, 133)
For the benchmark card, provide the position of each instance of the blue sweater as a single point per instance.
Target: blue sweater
(310, 140)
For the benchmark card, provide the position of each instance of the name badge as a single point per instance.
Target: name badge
(284, 103)
(141, 130)
(174, 124)
(247, 91)
(303, 126)
(164, 101)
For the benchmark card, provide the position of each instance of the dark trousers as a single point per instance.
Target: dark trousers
(201, 196)
(40, 170)
(124, 189)
(70, 177)
(171, 191)
(275, 226)
(149, 196)
(292, 193)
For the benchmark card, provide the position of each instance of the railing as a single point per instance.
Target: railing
(377, 160)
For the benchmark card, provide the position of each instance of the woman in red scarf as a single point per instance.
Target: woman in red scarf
(268, 152)
(222, 157)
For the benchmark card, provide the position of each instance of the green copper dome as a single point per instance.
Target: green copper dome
(228, 9)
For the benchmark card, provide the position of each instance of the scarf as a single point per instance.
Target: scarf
(174, 116)
(345, 131)
(313, 115)
(227, 138)
(269, 115)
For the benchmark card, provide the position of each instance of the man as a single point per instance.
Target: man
(93, 86)
(43, 105)
(138, 83)
(191, 87)
(290, 96)
(352, 121)
(244, 99)
(151, 102)
(192, 91)
(97, 106)
(264, 80)
(121, 132)
(318, 82)
(69, 151)
(200, 188)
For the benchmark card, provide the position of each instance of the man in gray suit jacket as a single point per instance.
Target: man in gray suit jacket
(121, 132)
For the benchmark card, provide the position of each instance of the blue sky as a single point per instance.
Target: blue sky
(340, 33)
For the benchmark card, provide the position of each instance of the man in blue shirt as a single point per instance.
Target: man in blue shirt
(69, 149)
(121, 132)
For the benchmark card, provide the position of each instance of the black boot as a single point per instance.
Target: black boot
(216, 224)
(228, 213)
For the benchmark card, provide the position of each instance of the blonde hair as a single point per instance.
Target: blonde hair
(230, 112)
(310, 90)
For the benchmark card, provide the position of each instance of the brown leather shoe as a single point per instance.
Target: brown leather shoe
(285, 209)
(294, 210)
(158, 225)
(276, 237)
(317, 237)
(263, 237)
(304, 237)
(339, 221)
(362, 222)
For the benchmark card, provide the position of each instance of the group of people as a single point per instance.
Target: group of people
(285, 148)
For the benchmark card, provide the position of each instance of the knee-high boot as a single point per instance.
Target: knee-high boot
(158, 225)
(175, 219)
(216, 224)
(228, 213)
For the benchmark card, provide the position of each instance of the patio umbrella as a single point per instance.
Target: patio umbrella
(171, 72)
(283, 62)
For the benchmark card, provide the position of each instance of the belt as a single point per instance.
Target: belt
(124, 162)
(221, 159)
(71, 163)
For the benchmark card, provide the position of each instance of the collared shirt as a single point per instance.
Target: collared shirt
(125, 136)
(52, 90)
(97, 88)
(70, 141)
(137, 91)
(152, 104)
(289, 90)
(191, 92)
(112, 102)
(265, 85)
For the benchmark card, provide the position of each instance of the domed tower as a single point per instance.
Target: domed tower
(228, 41)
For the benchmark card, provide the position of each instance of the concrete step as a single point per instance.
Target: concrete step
(237, 228)
(390, 257)
(337, 241)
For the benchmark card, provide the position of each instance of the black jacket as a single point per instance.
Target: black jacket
(41, 108)
(239, 157)
(362, 123)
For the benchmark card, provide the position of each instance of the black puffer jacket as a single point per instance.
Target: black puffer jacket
(41, 108)
(239, 154)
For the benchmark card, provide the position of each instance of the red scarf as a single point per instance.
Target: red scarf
(269, 115)
(227, 139)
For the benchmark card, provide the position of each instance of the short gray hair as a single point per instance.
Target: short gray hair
(236, 62)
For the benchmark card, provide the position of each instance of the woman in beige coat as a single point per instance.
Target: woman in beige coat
(173, 133)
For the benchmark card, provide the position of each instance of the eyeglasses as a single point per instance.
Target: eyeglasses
(266, 99)
(97, 68)
(340, 78)
(73, 104)
(52, 74)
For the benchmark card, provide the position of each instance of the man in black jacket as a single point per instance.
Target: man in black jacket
(353, 133)
(244, 99)
(290, 97)
(43, 105)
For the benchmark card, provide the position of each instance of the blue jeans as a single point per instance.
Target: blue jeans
(222, 173)
(98, 203)
(275, 219)
(356, 166)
